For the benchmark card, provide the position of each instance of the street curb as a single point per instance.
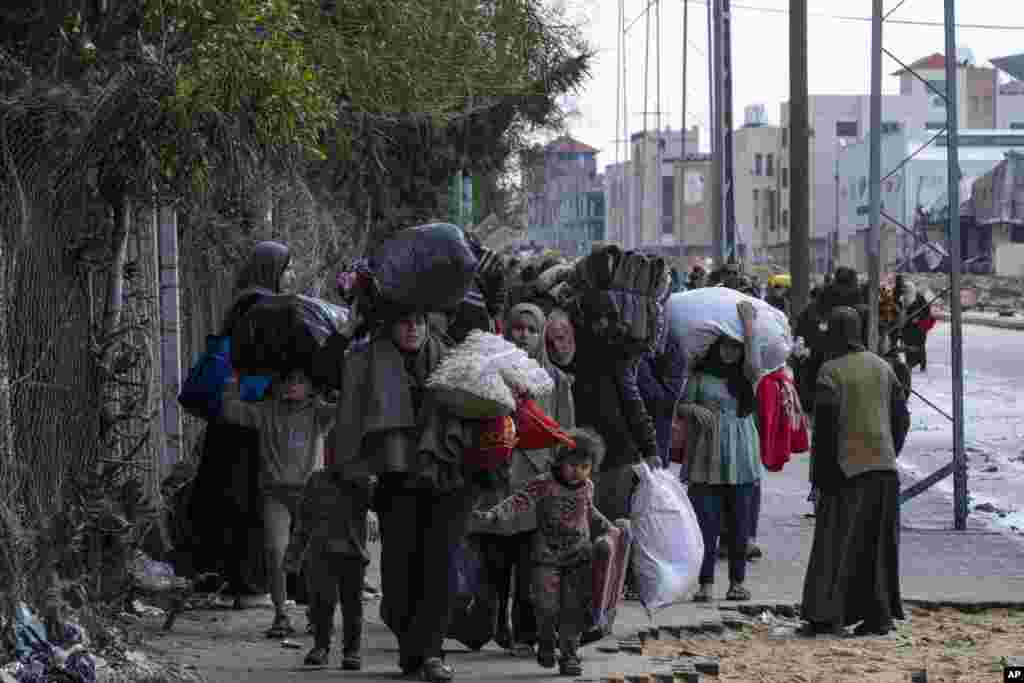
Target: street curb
(965, 605)
(999, 323)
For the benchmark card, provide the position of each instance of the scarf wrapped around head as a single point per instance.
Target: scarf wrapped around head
(845, 331)
(735, 378)
(539, 354)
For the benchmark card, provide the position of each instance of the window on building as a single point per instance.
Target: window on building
(847, 129)
(785, 219)
(758, 164)
(785, 137)
(1017, 125)
(668, 205)
(785, 177)
(769, 165)
(770, 210)
(757, 213)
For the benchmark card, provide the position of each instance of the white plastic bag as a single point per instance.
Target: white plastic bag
(698, 317)
(667, 544)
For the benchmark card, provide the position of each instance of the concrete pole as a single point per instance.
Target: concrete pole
(799, 158)
(732, 252)
(717, 215)
(873, 246)
(953, 173)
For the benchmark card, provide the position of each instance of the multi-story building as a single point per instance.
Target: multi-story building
(692, 211)
(758, 178)
(641, 192)
(841, 121)
(917, 187)
(565, 200)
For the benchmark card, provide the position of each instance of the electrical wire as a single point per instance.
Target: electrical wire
(838, 17)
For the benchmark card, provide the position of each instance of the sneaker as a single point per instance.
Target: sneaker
(754, 552)
(570, 666)
(352, 661)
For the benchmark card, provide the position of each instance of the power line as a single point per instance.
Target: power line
(837, 17)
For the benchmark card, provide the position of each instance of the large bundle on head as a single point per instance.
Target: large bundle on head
(427, 268)
(482, 377)
(698, 317)
(638, 287)
(283, 333)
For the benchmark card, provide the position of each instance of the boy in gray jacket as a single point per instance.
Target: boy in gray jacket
(292, 426)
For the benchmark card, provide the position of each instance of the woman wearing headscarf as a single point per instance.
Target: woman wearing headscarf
(607, 398)
(227, 487)
(507, 547)
(389, 428)
(860, 423)
(560, 338)
(723, 449)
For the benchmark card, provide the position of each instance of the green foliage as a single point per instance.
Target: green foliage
(246, 56)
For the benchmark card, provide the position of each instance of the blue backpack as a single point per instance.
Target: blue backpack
(202, 394)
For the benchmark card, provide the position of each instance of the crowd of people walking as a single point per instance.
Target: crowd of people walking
(297, 465)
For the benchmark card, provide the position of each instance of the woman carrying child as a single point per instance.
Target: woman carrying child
(563, 501)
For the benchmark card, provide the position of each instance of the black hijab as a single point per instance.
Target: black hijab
(735, 379)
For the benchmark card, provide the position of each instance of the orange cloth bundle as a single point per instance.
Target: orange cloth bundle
(537, 430)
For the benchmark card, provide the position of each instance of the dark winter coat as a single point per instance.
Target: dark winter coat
(661, 379)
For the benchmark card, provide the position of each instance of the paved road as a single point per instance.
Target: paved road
(937, 564)
(994, 421)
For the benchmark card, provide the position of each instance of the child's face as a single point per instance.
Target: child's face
(525, 333)
(575, 472)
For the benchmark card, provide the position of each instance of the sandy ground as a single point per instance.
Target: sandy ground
(951, 646)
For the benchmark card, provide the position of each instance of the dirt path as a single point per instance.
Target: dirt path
(951, 646)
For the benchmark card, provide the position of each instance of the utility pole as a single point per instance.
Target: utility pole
(799, 158)
(728, 187)
(715, 188)
(681, 200)
(953, 174)
(875, 176)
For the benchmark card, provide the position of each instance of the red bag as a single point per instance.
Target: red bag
(536, 429)
(678, 448)
(611, 559)
(926, 324)
(495, 439)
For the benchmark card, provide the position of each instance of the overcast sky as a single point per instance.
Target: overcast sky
(838, 55)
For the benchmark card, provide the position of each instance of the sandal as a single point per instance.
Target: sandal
(737, 593)
(281, 628)
(318, 656)
(703, 595)
(436, 671)
(524, 650)
(352, 662)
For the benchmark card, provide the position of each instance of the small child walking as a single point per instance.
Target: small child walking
(292, 426)
(330, 542)
(562, 546)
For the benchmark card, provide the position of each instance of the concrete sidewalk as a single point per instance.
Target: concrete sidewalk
(937, 566)
(986, 320)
